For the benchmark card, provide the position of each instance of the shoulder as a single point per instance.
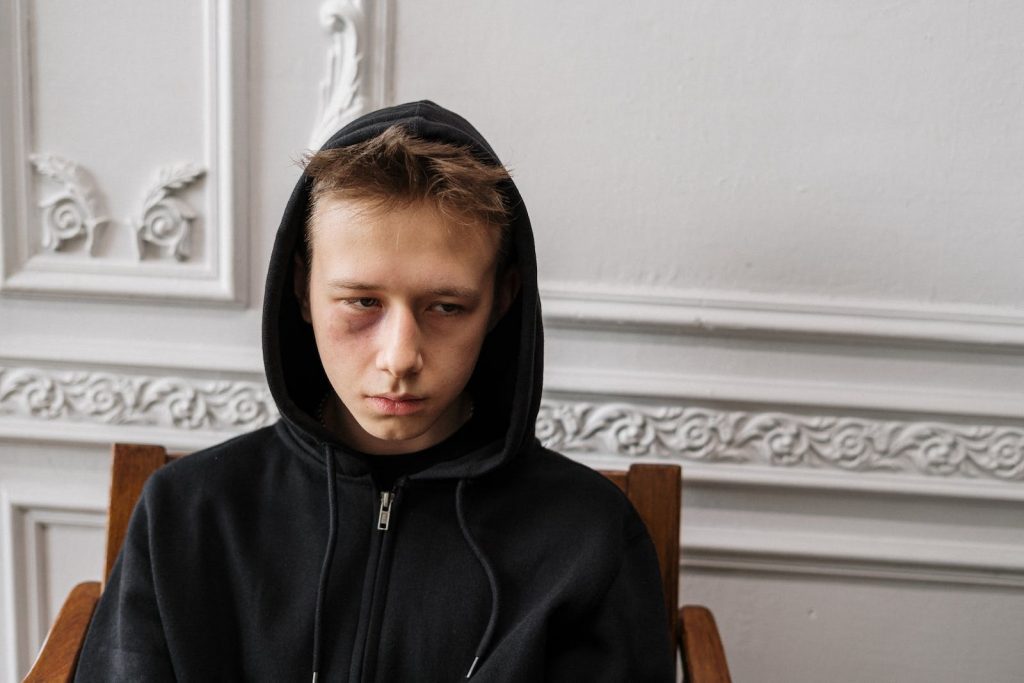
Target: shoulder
(553, 468)
(575, 492)
(238, 459)
(568, 521)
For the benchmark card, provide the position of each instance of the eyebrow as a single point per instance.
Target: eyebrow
(455, 292)
(351, 284)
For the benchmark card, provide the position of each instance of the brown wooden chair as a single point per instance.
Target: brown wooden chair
(655, 491)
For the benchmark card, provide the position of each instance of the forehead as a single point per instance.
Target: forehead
(358, 236)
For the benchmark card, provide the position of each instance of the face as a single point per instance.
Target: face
(400, 302)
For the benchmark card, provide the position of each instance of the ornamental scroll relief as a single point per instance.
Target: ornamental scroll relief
(107, 398)
(686, 434)
(164, 221)
(783, 440)
(76, 210)
(341, 99)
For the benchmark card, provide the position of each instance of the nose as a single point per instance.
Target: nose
(399, 353)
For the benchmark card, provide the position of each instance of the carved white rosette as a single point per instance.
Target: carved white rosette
(783, 440)
(76, 210)
(340, 96)
(165, 220)
(107, 398)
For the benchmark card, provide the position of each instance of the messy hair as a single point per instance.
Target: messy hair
(396, 169)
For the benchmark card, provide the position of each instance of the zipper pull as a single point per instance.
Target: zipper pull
(387, 498)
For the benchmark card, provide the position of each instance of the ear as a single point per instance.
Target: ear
(300, 282)
(505, 291)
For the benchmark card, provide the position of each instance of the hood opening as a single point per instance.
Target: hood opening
(506, 382)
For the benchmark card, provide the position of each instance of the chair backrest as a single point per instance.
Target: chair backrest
(656, 493)
(654, 490)
(133, 463)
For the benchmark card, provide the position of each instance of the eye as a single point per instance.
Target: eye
(448, 309)
(363, 303)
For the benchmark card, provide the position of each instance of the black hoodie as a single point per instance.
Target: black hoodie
(264, 558)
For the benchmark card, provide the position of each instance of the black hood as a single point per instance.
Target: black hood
(506, 384)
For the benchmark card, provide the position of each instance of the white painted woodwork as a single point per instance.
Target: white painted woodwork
(53, 500)
(779, 244)
(59, 545)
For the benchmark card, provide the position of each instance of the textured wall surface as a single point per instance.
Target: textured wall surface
(779, 245)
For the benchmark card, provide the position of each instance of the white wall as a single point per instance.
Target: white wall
(779, 244)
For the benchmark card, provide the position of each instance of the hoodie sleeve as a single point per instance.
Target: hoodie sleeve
(126, 639)
(625, 636)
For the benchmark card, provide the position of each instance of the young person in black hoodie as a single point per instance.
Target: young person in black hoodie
(400, 522)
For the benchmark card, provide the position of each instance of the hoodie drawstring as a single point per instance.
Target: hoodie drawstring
(492, 621)
(325, 568)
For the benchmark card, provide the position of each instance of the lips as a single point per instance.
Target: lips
(396, 404)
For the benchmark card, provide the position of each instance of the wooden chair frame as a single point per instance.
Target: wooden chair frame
(655, 491)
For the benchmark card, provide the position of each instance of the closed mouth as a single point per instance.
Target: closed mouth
(399, 397)
(396, 404)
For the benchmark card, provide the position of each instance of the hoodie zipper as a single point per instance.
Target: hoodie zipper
(387, 499)
(367, 665)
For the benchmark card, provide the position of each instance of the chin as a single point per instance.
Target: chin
(392, 429)
(397, 435)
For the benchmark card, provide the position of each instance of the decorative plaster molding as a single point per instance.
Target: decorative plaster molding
(37, 565)
(688, 434)
(839, 555)
(783, 440)
(27, 506)
(341, 99)
(217, 256)
(357, 73)
(166, 221)
(834, 397)
(77, 210)
(574, 305)
(107, 398)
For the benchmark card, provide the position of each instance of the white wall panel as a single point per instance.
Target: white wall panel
(794, 214)
(124, 175)
(724, 149)
(847, 628)
(59, 545)
(52, 515)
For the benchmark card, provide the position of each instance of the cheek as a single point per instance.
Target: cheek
(341, 339)
(459, 346)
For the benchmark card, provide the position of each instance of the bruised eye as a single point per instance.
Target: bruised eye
(363, 303)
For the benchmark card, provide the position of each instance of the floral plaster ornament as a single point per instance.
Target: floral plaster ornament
(166, 220)
(76, 210)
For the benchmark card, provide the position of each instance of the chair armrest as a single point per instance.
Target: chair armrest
(59, 655)
(701, 647)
